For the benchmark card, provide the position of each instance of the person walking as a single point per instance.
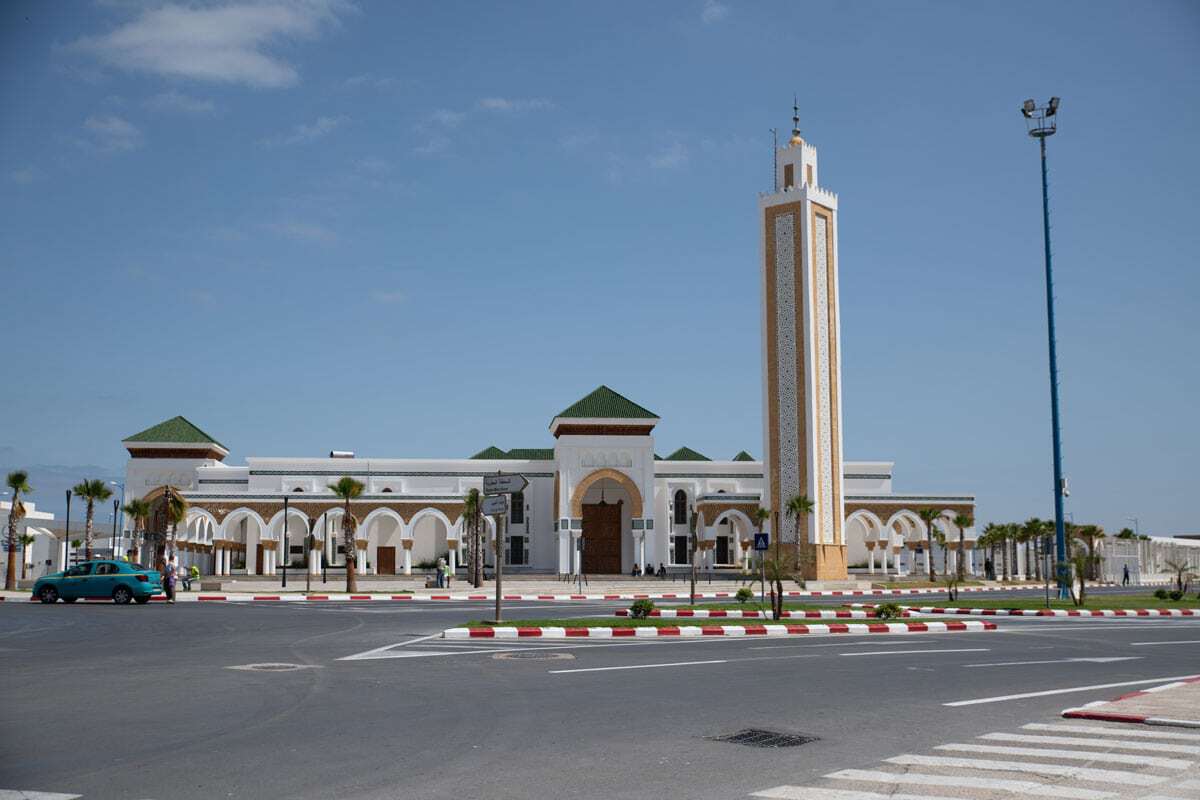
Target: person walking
(440, 573)
(169, 575)
(447, 573)
(1125, 575)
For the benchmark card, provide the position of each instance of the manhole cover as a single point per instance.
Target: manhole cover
(533, 655)
(757, 737)
(273, 666)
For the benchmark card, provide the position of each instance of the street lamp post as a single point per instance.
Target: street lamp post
(287, 552)
(67, 535)
(113, 541)
(121, 527)
(1137, 528)
(1042, 124)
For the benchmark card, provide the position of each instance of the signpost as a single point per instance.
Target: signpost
(502, 483)
(762, 541)
(495, 503)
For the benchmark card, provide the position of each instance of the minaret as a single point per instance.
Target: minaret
(802, 408)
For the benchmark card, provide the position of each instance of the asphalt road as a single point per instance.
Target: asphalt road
(144, 702)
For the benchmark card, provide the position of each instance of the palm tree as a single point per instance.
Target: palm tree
(962, 522)
(798, 508)
(18, 482)
(473, 523)
(348, 489)
(175, 508)
(1183, 573)
(1089, 535)
(138, 510)
(26, 539)
(928, 515)
(91, 491)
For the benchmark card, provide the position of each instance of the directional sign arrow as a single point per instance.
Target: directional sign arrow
(495, 505)
(502, 483)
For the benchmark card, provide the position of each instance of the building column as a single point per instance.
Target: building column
(62, 554)
(451, 555)
(642, 552)
(870, 560)
(407, 561)
(883, 554)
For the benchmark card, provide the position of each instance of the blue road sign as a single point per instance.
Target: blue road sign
(762, 541)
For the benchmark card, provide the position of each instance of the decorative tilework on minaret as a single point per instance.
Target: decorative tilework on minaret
(802, 440)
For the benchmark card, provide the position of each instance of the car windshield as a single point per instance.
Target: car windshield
(79, 569)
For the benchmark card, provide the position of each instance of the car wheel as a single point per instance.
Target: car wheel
(143, 599)
(122, 595)
(48, 594)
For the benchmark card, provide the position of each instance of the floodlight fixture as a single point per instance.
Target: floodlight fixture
(1028, 107)
(1053, 107)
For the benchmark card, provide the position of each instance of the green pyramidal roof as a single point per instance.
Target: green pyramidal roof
(493, 453)
(490, 452)
(604, 403)
(743, 456)
(176, 430)
(687, 454)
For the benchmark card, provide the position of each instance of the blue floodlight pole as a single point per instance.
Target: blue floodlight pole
(1044, 127)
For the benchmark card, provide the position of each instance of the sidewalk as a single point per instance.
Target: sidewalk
(1174, 704)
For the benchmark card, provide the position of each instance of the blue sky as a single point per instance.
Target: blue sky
(415, 230)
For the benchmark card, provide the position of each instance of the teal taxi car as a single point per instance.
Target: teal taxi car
(119, 581)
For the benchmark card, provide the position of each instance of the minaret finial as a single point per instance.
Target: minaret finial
(795, 123)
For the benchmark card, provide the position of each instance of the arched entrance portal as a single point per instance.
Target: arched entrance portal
(606, 519)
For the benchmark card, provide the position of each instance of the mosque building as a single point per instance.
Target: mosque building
(600, 500)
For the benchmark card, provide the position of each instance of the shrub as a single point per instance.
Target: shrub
(1161, 594)
(1176, 595)
(641, 608)
(889, 611)
(744, 594)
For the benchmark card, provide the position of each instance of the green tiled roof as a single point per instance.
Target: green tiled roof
(494, 453)
(687, 454)
(490, 452)
(604, 403)
(174, 430)
(532, 453)
(657, 457)
(743, 456)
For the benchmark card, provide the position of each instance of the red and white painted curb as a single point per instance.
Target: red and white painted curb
(740, 614)
(1049, 612)
(698, 631)
(1088, 712)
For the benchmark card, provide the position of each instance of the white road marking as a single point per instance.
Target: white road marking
(836, 644)
(820, 793)
(1173, 641)
(1100, 730)
(1048, 692)
(903, 652)
(1099, 660)
(1071, 755)
(18, 794)
(636, 666)
(1081, 741)
(1026, 788)
(1056, 770)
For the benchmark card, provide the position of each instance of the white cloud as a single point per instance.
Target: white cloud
(109, 133)
(438, 144)
(373, 165)
(672, 156)
(387, 296)
(224, 43)
(519, 104)
(306, 132)
(178, 102)
(447, 118)
(24, 175)
(302, 231)
(369, 80)
(577, 140)
(713, 12)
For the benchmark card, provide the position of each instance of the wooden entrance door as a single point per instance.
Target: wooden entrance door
(602, 538)
(258, 565)
(385, 560)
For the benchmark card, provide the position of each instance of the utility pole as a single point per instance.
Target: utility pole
(694, 544)
(500, 520)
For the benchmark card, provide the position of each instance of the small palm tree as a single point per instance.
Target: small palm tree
(18, 482)
(1183, 573)
(473, 523)
(26, 540)
(962, 522)
(348, 489)
(138, 510)
(91, 491)
(798, 508)
(175, 511)
(928, 515)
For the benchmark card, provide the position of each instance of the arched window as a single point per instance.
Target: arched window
(681, 511)
(297, 489)
(387, 490)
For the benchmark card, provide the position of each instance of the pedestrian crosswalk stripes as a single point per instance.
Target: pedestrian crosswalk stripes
(1074, 762)
(1099, 730)
(1150, 747)
(1056, 770)
(1073, 755)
